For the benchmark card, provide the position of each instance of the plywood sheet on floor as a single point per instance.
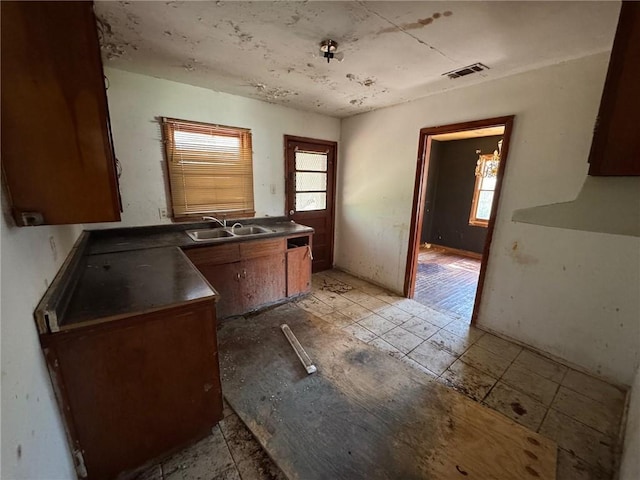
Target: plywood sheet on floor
(364, 414)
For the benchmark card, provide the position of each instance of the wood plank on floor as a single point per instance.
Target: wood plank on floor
(364, 414)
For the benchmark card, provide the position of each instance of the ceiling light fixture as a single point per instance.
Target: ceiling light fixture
(328, 49)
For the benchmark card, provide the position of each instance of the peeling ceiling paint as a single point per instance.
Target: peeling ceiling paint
(394, 51)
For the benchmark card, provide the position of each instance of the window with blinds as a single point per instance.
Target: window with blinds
(210, 169)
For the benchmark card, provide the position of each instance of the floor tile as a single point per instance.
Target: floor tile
(433, 316)
(151, 473)
(402, 339)
(390, 298)
(530, 383)
(360, 332)
(239, 439)
(588, 444)
(356, 312)
(337, 302)
(337, 319)
(372, 289)
(209, 458)
(419, 327)
(394, 314)
(594, 388)
(356, 295)
(226, 409)
(500, 346)
(468, 380)
(372, 303)
(450, 342)
(333, 285)
(386, 347)
(314, 306)
(376, 324)
(410, 306)
(588, 411)
(463, 329)
(485, 360)
(516, 405)
(433, 358)
(571, 467)
(542, 366)
(259, 467)
(417, 366)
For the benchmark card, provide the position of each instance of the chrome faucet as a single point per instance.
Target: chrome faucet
(236, 225)
(214, 219)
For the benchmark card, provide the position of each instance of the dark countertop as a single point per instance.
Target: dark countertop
(139, 238)
(114, 285)
(116, 273)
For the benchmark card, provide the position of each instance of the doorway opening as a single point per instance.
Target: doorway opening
(459, 176)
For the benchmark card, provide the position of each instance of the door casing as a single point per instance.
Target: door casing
(419, 196)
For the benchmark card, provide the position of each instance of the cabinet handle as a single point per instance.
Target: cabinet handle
(244, 273)
(238, 277)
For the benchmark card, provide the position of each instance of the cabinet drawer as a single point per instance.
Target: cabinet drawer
(216, 255)
(261, 248)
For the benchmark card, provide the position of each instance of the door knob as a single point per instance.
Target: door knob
(291, 212)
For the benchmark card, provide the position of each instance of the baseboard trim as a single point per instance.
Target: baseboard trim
(456, 251)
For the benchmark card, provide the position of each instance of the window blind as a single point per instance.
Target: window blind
(210, 168)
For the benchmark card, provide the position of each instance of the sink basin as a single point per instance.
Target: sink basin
(213, 234)
(210, 234)
(250, 230)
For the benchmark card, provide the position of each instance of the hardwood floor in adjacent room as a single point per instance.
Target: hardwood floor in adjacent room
(447, 282)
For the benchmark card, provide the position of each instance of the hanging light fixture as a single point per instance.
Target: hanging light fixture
(328, 50)
(487, 165)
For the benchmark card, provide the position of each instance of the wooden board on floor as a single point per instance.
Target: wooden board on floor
(364, 414)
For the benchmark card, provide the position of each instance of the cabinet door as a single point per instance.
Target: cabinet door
(263, 280)
(298, 271)
(137, 389)
(57, 156)
(226, 279)
(616, 144)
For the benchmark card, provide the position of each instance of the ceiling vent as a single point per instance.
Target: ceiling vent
(468, 70)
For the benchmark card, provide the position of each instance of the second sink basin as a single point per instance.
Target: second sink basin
(250, 230)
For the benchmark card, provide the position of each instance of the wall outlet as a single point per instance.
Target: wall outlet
(162, 212)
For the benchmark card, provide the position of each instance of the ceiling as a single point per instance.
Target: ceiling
(393, 51)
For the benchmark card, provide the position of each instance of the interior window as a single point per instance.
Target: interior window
(486, 176)
(210, 169)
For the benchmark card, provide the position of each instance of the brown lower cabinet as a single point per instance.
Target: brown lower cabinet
(137, 389)
(252, 274)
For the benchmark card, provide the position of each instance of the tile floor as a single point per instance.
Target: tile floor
(581, 413)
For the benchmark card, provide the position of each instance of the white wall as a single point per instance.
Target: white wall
(630, 465)
(135, 103)
(33, 441)
(573, 294)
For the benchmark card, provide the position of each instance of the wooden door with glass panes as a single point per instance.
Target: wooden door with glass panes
(310, 192)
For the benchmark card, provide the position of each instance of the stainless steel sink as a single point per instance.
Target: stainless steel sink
(250, 230)
(213, 234)
(209, 234)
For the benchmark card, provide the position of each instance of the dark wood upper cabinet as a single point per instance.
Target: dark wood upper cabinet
(616, 142)
(57, 157)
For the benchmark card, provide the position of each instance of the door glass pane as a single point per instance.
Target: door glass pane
(314, 161)
(485, 199)
(489, 183)
(311, 201)
(306, 181)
